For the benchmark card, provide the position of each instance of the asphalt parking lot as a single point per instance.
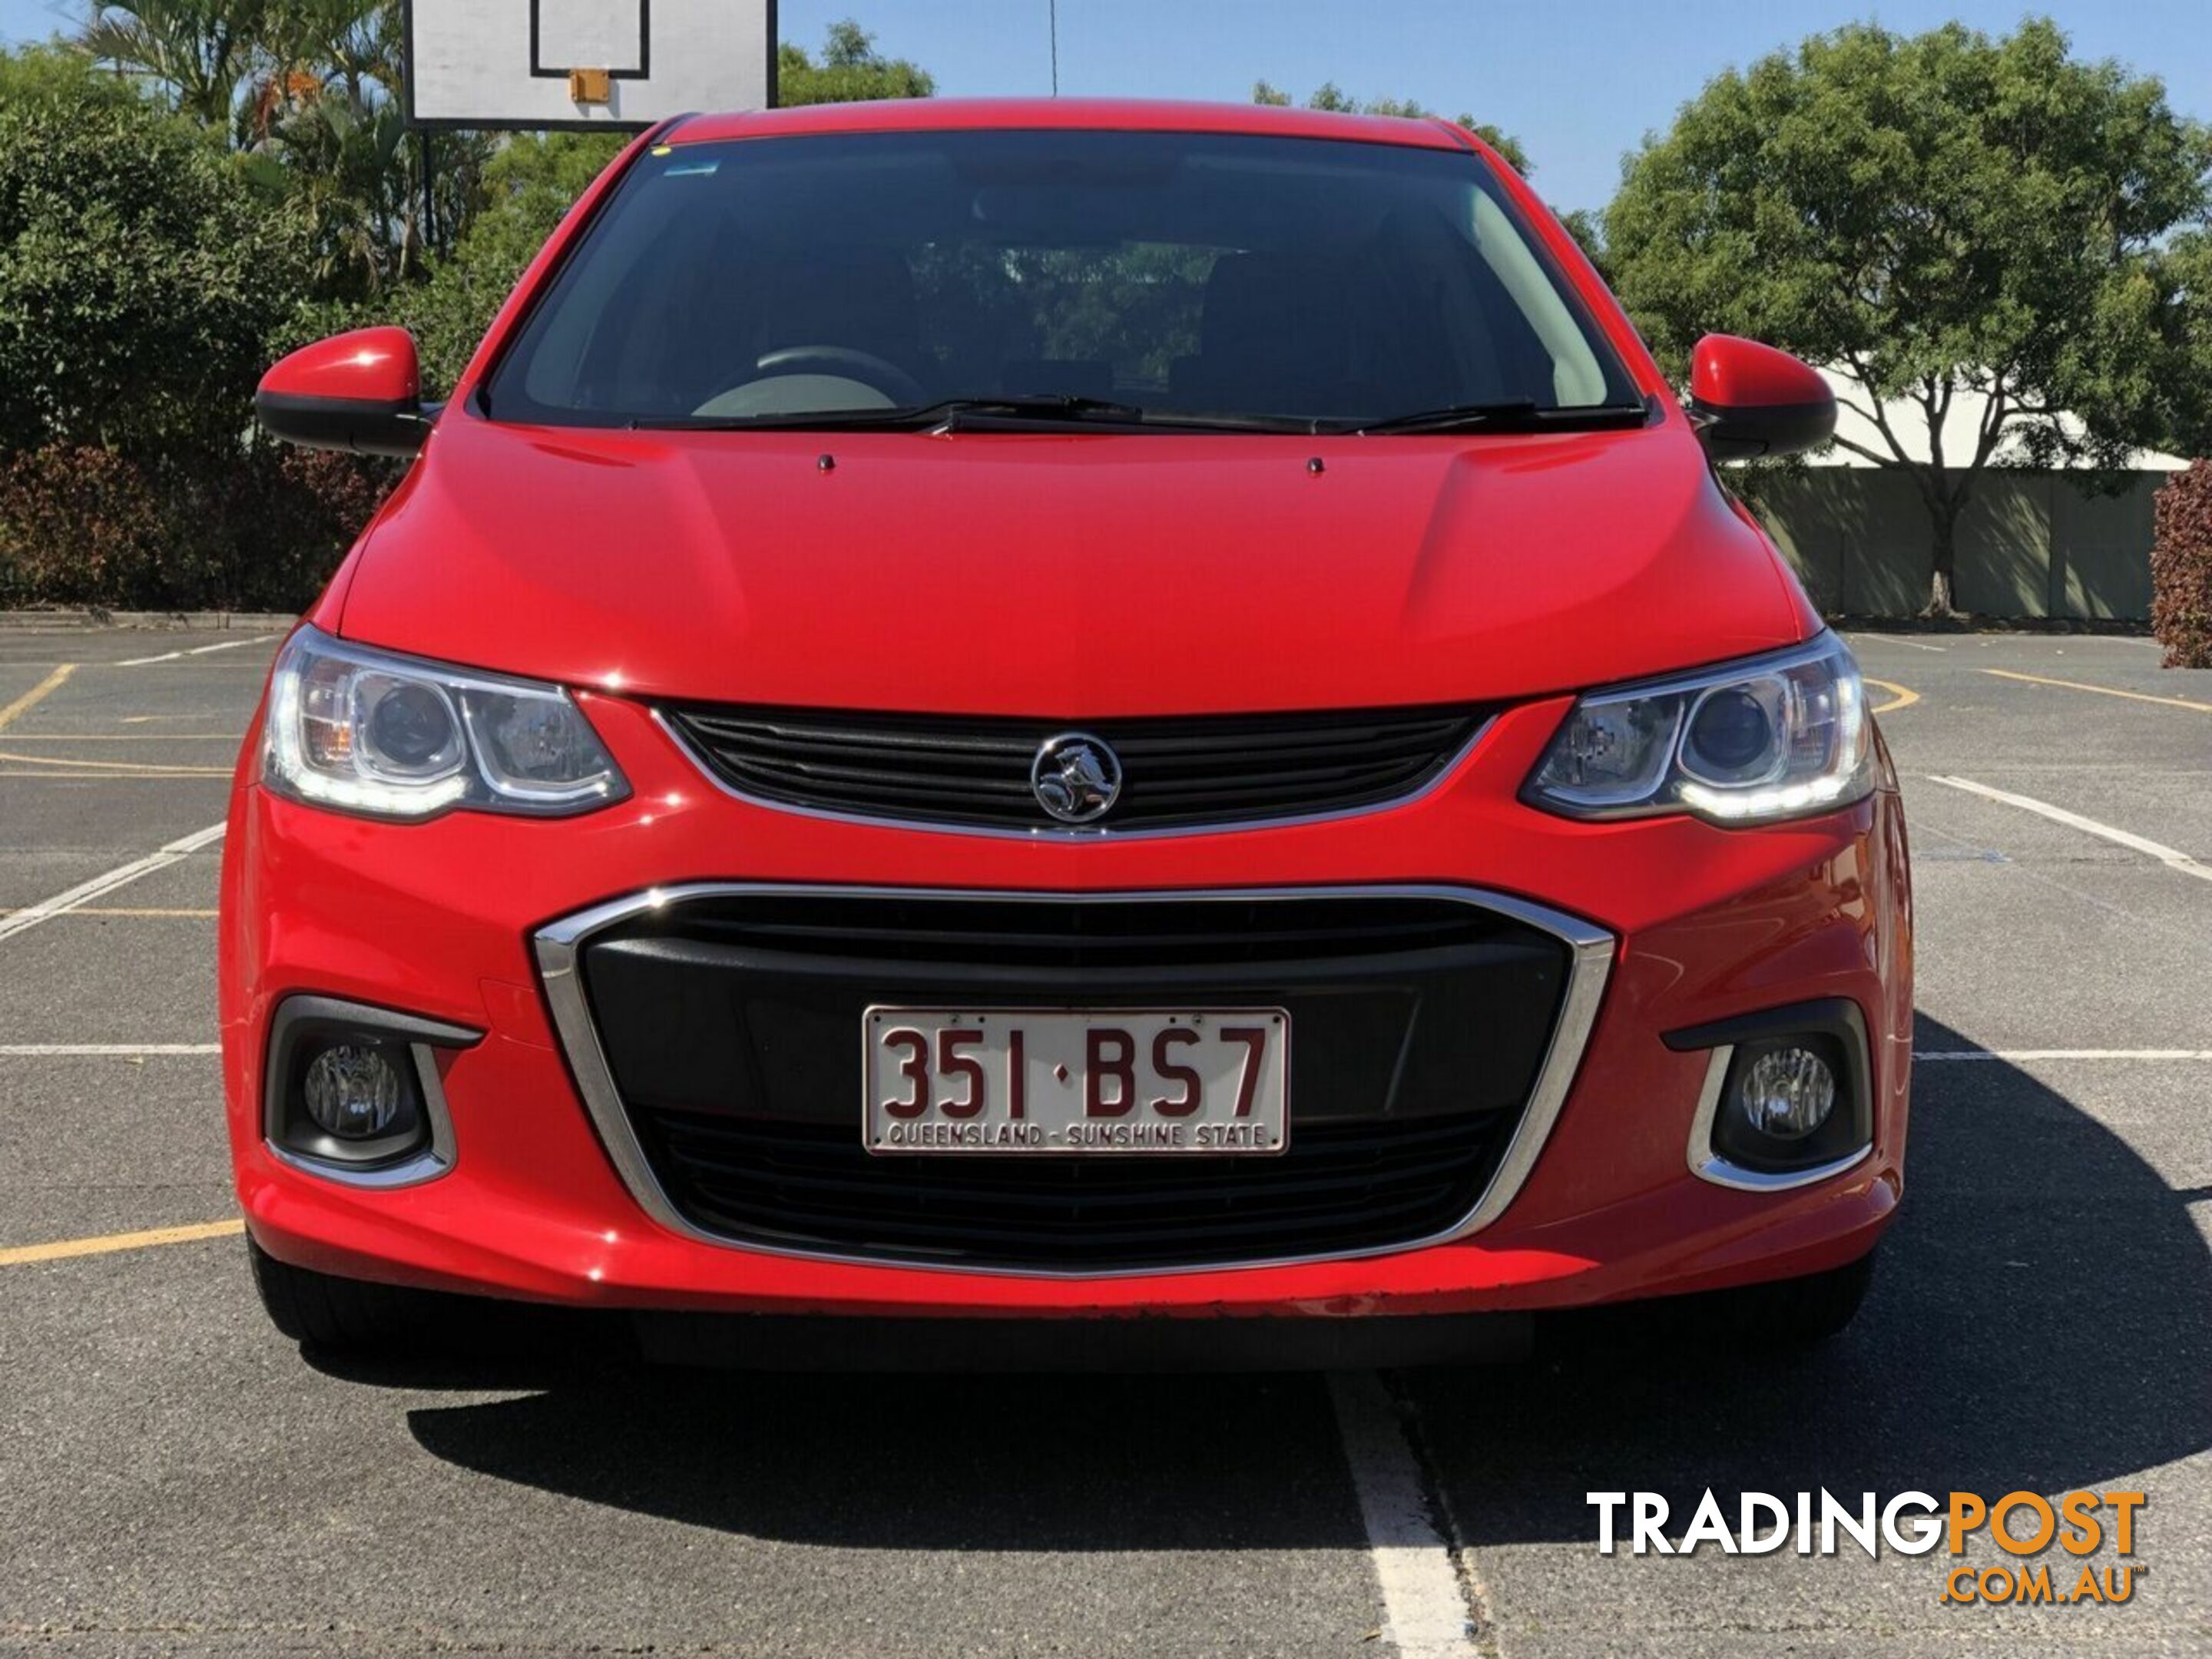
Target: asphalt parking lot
(174, 1477)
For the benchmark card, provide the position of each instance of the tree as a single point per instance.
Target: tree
(851, 71)
(311, 90)
(200, 50)
(325, 122)
(2180, 387)
(1588, 228)
(61, 77)
(1933, 217)
(1331, 97)
(139, 276)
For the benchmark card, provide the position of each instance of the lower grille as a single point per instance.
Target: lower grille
(1338, 1187)
(718, 1033)
(1186, 772)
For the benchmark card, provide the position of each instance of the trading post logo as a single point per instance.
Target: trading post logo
(2020, 1524)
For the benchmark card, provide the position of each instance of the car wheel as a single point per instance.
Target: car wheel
(346, 1315)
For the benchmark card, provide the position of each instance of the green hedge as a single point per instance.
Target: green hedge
(253, 527)
(142, 278)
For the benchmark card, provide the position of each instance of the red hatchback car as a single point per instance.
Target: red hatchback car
(991, 717)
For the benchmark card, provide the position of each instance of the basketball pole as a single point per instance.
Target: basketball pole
(1052, 15)
(430, 197)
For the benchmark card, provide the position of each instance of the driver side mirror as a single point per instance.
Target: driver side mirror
(1748, 399)
(361, 392)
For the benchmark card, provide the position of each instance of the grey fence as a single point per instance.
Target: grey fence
(2032, 543)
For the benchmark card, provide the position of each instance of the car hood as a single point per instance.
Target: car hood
(1083, 575)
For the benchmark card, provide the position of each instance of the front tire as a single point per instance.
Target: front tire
(346, 1315)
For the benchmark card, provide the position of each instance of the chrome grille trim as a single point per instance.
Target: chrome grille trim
(558, 945)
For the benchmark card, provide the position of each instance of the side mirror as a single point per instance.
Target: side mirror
(1748, 399)
(361, 392)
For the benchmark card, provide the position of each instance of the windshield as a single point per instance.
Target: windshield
(1136, 276)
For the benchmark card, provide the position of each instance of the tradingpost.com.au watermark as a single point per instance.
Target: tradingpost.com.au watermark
(2021, 1524)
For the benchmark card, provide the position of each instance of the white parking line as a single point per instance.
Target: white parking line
(122, 875)
(2009, 1055)
(1891, 639)
(102, 1050)
(197, 651)
(1426, 1610)
(2170, 857)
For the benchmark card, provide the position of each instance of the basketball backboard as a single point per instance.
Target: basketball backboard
(584, 64)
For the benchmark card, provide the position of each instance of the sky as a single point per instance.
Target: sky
(1577, 82)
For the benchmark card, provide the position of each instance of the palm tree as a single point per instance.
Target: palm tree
(312, 91)
(325, 106)
(201, 50)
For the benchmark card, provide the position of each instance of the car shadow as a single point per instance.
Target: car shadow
(2036, 1322)
(999, 1461)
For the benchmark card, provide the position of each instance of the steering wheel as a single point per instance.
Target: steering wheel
(880, 372)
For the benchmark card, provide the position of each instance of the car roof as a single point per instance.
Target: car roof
(1098, 114)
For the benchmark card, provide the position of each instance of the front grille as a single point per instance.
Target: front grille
(1185, 773)
(729, 1024)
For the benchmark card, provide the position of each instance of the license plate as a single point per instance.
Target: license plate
(1119, 1081)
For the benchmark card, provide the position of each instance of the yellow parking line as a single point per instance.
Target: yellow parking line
(108, 1243)
(37, 695)
(2102, 690)
(1904, 699)
(43, 774)
(118, 768)
(47, 776)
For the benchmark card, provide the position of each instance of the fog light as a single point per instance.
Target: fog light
(354, 1092)
(1787, 1099)
(1786, 1092)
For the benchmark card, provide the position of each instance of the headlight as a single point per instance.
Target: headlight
(1770, 737)
(364, 731)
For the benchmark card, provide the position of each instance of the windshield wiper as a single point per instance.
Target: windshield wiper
(953, 413)
(948, 415)
(1071, 406)
(1516, 415)
(1012, 412)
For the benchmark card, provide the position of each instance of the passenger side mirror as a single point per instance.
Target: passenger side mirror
(1748, 399)
(361, 392)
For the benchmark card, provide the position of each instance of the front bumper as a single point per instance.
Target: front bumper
(1683, 924)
